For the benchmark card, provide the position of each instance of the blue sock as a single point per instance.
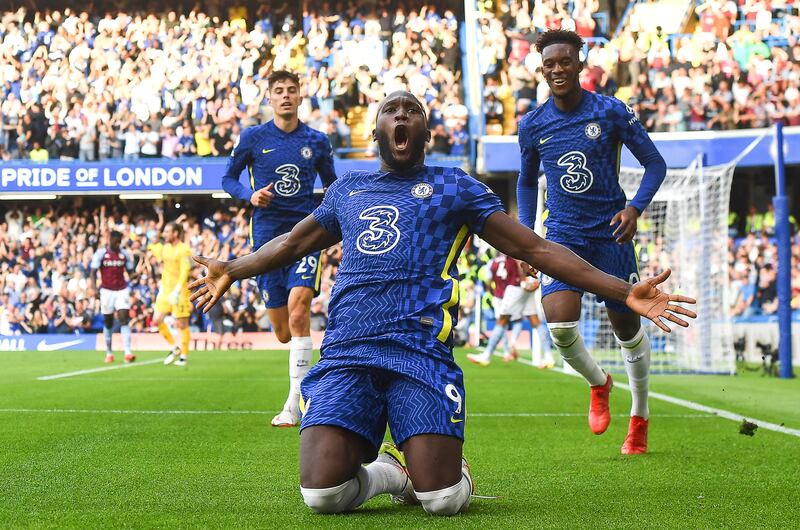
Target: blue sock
(544, 337)
(126, 338)
(107, 332)
(516, 329)
(497, 335)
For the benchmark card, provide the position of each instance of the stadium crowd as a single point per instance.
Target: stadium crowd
(45, 253)
(130, 84)
(739, 68)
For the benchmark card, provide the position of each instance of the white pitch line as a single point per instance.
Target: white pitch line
(96, 370)
(728, 415)
(267, 412)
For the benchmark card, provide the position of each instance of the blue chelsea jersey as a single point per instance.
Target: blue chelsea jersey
(580, 151)
(401, 238)
(290, 162)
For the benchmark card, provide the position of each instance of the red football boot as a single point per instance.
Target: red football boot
(636, 441)
(599, 413)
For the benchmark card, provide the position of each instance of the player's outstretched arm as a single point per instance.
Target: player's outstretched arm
(306, 237)
(510, 237)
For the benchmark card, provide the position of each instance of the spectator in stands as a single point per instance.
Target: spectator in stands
(133, 141)
(38, 153)
(441, 141)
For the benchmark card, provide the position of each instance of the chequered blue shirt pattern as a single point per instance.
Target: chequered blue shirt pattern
(580, 151)
(396, 289)
(290, 161)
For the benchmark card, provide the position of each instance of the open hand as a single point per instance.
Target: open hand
(211, 287)
(651, 302)
(627, 224)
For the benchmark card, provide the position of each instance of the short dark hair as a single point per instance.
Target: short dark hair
(115, 235)
(178, 227)
(280, 75)
(559, 36)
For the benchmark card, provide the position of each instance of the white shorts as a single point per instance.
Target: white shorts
(111, 301)
(518, 303)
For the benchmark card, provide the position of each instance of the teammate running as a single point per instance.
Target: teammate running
(578, 136)
(283, 157)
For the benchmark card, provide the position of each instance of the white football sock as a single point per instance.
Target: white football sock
(636, 354)
(300, 352)
(372, 480)
(447, 501)
(570, 345)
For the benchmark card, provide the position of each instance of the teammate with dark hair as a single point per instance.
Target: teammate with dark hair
(578, 137)
(283, 158)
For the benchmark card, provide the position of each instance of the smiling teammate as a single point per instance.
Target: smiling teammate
(387, 356)
(578, 136)
(283, 157)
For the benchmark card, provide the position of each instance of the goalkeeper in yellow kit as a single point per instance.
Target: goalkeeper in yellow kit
(173, 293)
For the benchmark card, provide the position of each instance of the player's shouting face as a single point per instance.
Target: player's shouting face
(401, 131)
(561, 67)
(284, 98)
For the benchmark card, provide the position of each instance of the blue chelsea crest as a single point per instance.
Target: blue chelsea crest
(422, 190)
(305, 152)
(592, 130)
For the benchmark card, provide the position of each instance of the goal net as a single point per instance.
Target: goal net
(685, 229)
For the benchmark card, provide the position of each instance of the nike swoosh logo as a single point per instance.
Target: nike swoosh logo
(266, 151)
(543, 140)
(43, 346)
(453, 420)
(355, 192)
(306, 277)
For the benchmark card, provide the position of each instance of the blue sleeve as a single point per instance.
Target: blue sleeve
(129, 264)
(478, 202)
(635, 137)
(528, 182)
(240, 159)
(97, 259)
(325, 167)
(325, 213)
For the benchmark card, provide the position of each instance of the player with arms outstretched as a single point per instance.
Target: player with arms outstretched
(115, 297)
(387, 354)
(173, 292)
(283, 158)
(578, 136)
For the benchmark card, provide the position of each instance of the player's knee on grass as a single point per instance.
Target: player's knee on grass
(108, 321)
(447, 501)
(331, 500)
(563, 334)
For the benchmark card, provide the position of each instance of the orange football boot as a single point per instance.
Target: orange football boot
(599, 413)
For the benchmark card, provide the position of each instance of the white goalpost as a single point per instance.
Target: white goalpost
(685, 229)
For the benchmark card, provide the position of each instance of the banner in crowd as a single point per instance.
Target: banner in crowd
(155, 175)
(501, 153)
(55, 342)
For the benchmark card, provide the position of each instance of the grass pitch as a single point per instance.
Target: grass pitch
(164, 447)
